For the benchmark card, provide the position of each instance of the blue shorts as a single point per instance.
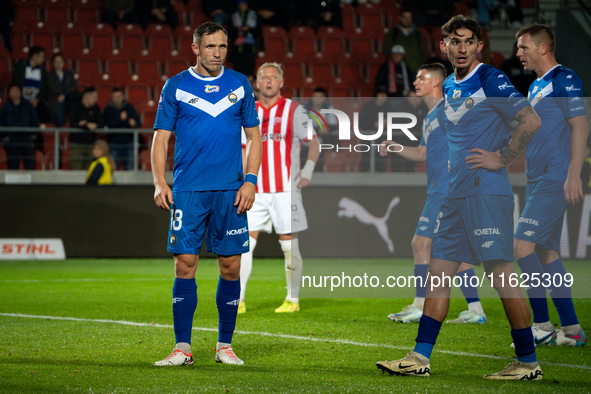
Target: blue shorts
(474, 229)
(194, 212)
(429, 215)
(543, 215)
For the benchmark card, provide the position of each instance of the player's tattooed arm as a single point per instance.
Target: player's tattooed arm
(528, 123)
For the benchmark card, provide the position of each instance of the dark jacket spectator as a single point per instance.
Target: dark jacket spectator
(156, 11)
(412, 40)
(119, 114)
(393, 76)
(219, 10)
(271, 12)
(18, 112)
(244, 23)
(30, 75)
(117, 11)
(61, 89)
(84, 114)
(520, 78)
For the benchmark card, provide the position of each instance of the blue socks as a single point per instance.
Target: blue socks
(470, 292)
(537, 295)
(421, 271)
(428, 331)
(227, 298)
(561, 295)
(184, 303)
(525, 349)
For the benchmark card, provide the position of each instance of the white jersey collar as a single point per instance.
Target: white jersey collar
(467, 76)
(548, 72)
(193, 73)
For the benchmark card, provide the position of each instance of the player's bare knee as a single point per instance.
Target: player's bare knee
(185, 266)
(547, 256)
(523, 248)
(420, 244)
(229, 267)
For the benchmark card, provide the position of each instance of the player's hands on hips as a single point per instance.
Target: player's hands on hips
(573, 190)
(484, 159)
(245, 197)
(384, 147)
(303, 181)
(161, 194)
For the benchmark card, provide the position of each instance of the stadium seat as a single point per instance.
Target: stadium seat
(365, 92)
(115, 54)
(86, 4)
(102, 42)
(131, 44)
(85, 16)
(145, 163)
(329, 32)
(56, 16)
(104, 94)
(174, 67)
(332, 46)
(372, 24)
(135, 94)
(73, 42)
(289, 92)
(26, 16)
(334, 161)
(196, 18)
(156, 30)
(161, 43)
(129, 29)
(183, 31)
(117, 70)
(321, 71)
(349, 22)
(304, 48)
(340, 91)
(301, 31)
(361, 47)
(2, 159)
(350, 71)
(274, 31)
(461, 8)
(148, 70)
(275, 46)
(497, 59)
(44, 40)
(148, 118)
(100, 28)
(293, 74)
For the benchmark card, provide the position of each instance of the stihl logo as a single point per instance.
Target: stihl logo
(487, 244)
(233, 303)
(27, 248)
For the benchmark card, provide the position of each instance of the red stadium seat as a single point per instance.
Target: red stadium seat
(341, 91)
(293, 74)
(321, 71)
(497, 59)
(148, 118)
(85, 16)
(301, 31)
(148, 70)
(461, 8)
(361, 47)
(44, 40)
(102, 42)
(350, 71)
(132, 44)
(329, 32)
(332, 46)
(56, 16)
(349, 22)
(368, 8)
(174, 67)
(26, 16)
(86, 4)
(275, 47)
(145, 163)
(117, 70)
(137, 93)
(196, 18)
(372, 24)
(274, 31)
(161, 43)
(104, 94)
(100, 28)
(289, 92)
(365, 92)
(73, 41)
(304, 48)
(129, 29)
(156, 30)
(112, 54)
(334, 161)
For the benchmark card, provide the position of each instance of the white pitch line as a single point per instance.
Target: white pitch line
(286, 336)
(83, 280)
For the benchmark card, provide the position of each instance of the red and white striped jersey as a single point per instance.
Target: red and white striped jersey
(283, 128)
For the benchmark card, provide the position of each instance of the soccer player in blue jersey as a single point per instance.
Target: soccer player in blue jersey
(475, 224)
(206, 106)
(554, 161)
(434, 150)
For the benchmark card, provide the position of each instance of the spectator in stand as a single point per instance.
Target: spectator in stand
(271, 12)
(519, 77)
(119, 114)
(30, 75)
(156, 11)
(244, 22)
(5, 24)
(318, 102)
(119, 11)
(102, 168)
(62, 88)
(330, 13)
(84, 114)
(219, 11)
(406, 34)
(431, 12)
(18, 112)
(393, 76)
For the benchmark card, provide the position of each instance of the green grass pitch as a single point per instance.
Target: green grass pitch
(331, 345)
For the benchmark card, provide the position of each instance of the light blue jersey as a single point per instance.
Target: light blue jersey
(556, 97)
(435, 141)
(206, 115)
(478, 112)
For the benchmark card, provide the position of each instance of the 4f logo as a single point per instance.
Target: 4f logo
(487, 244)
(177, 299)
(529, 233)
(194, 100)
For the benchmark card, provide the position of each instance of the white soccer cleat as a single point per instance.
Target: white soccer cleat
(412, 365)
(176, 358)
(469, 317)
(226, 355)
(410, 313)
(563, 339)
(518, 371)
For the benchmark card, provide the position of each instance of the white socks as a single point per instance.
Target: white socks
(246, 267)
(183, 347)
(419, 302)
(293, 268)
(476, 307)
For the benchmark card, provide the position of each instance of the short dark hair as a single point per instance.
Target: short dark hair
(206, 29)
(35, 50)
(434, 67)
(59, 54)
(89, 89)
(320, 89)
(117, 89)
(540, 34)
(459, 22)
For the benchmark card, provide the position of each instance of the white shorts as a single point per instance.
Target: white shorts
(284, 211)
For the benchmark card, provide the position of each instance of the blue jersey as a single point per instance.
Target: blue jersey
(478, 112)
(548, 153)
(206, 115)
(435, 141)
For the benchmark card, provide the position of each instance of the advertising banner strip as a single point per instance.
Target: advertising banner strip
(32, 249)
